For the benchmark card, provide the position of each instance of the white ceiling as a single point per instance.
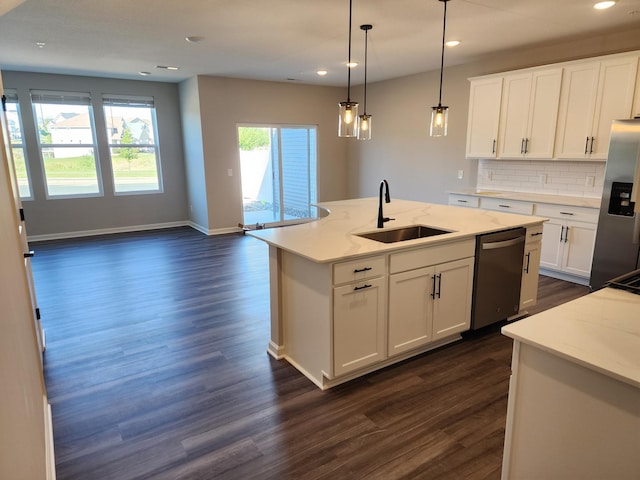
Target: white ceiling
(282, 40)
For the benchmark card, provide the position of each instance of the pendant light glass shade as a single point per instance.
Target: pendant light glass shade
(364, 120)
(348, 119)
(364, 127)
(439, 121)
(440, 114)
(348, 111)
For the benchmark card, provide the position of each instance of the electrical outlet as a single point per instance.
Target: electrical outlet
(542, 179)
(460, 174)
(229, 172)
(590, 181)
(488, 175)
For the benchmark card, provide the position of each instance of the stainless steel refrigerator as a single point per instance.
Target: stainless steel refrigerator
(618, 235)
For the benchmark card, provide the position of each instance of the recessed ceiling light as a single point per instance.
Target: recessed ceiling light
(167, 67)
(194, 39)
(40, 44)
(452, 43)
(352, 64)
(604, 5)
(144, 74)
(322, 73)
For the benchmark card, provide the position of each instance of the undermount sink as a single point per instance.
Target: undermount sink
(402, 234)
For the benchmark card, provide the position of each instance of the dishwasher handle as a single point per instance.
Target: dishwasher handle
(502, 244)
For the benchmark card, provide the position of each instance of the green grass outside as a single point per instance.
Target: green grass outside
(84, 167)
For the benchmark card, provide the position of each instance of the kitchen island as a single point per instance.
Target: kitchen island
(574, 394)
(343, 305)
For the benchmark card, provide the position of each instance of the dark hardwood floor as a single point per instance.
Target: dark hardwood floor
(156, 368)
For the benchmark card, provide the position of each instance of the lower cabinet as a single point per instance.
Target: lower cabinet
(358, 324)
(568, 247)
(531, 268)
(428, 304)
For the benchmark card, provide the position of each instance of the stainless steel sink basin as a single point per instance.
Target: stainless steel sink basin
(392, 235)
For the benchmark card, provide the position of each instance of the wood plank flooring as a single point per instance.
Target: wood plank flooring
(156, 368)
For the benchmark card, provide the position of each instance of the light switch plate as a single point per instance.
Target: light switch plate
(460, 174)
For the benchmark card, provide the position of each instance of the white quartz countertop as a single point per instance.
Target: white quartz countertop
(587, 202)
(600, 331)
(334, 237)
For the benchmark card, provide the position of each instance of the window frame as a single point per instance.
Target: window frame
(75, 99)
(11, 97)
(133, 101)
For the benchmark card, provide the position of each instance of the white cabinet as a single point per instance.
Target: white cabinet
(593, 95)
(507, 205)
(359, 319)
(469, 201)
(568, 239)
(531, 268)
(484, 116)
(529, 114)
(428, 303)
(358, 324)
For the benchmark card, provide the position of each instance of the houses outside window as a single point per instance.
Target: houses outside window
(14, 122)
(67, 142)
(132, 136)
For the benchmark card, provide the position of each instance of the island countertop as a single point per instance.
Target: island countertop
(334, 237)
(600, 331)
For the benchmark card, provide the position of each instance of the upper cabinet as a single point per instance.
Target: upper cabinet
(529, 114)
(561, 111)
(484, 117)
(593, 95)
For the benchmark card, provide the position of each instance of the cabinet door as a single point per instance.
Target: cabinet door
(543, 113)
(514, 113)
(484, 115)
(577, 107)
(578, 249)
(614, 101)
(358, 325)
(552, 244)
(452, 305)
(530, 270)
(410, 309)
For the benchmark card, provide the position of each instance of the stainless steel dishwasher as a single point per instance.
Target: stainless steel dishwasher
(497, 277)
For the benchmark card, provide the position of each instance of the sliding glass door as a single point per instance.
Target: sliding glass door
(278, 168)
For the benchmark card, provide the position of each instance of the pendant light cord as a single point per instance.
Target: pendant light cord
(366, 44)
(349, 62)
(444, 27)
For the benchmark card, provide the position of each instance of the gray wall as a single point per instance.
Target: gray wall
(109, 212)
(419, 167)
(225, 103)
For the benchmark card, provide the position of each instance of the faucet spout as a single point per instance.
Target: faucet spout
(384, 185)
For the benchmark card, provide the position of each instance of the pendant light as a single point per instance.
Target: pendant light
(440, 114)
(348, 111)
(364, 120)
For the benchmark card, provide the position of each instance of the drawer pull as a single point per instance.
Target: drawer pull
(536, 234)
(463, 201)
(566, 213)
(504, 206)
(362, 287)
(526, 269)
(360, 270)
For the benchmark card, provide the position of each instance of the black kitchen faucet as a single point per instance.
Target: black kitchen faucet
(381, 218)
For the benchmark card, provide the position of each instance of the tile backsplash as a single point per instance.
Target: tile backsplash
(577, 179)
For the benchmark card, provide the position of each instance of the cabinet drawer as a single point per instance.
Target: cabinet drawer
(534, 235)
(359, 269)
(427, 256)
(579, 214)
(464, 200)
(507, 206)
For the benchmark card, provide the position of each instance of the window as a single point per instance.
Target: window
(67, 141)
(278, 168)
(14, 122)
(132, 135)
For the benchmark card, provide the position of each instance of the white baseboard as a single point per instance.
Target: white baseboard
(567, 277)
(215, 231)
(106, 231)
